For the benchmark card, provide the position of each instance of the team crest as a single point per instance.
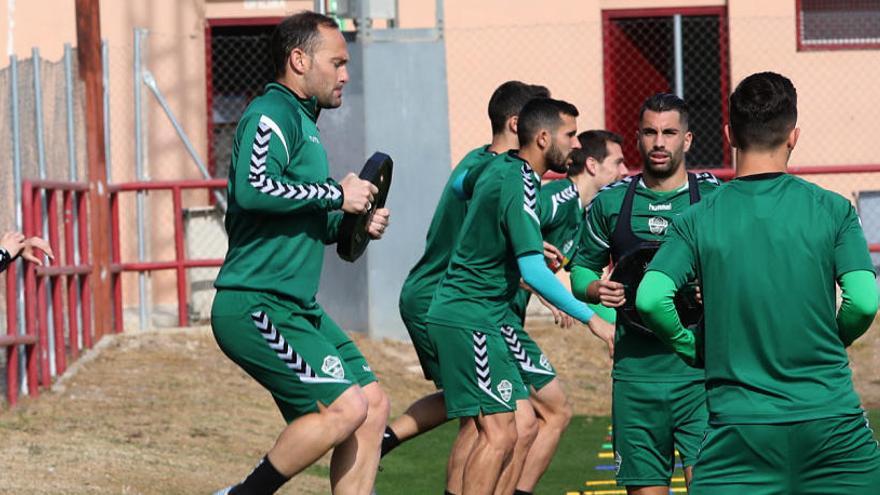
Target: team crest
(333, 367)
(546, 363)
(505, 389)
(658, 225)
(567, 246)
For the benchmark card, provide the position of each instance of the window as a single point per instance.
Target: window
(681, 51)
(838, 24)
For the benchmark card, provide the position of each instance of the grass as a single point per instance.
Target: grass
(419, 466)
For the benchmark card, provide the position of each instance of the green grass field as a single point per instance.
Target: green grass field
(419, 466)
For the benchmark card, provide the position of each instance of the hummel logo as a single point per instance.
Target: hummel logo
(314, 139)
(660, 207)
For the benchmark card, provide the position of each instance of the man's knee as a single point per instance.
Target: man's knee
(526, 424)
(499, 431)
(378, 403)
(348, 412)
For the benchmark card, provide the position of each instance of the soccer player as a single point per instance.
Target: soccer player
(768, 248)
(415, 295)
(597, 163)
(14, 244)
(499, 243)
(658, 403)
(283, 208)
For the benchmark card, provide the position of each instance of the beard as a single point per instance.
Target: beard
(665, 170)
(557, 161)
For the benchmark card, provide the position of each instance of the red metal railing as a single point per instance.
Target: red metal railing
(180, 263)
(12, 340)
(69, 276)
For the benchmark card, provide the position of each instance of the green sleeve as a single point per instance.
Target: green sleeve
(519, 220)
(581, 278)
(333, 221)
(859, 306)
(850, 248)
(655, 303)
(594, 246)
(259, 184)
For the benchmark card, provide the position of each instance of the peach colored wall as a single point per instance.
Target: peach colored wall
(47, 24)
(553, 42)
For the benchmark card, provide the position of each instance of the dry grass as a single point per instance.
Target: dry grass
(165, 412)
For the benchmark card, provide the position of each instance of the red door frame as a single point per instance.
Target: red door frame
(209, 73)
(723, 47)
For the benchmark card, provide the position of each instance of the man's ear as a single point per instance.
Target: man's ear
(792, 140)
(298, 61)
(688, 140)
(591, 165)
(543, 139)
(729, 136)
(511, 123)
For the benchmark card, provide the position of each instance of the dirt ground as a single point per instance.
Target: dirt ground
(164, 412)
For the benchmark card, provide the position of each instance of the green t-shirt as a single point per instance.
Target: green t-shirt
(420, 284)
(637, 355)
(768, 250)
(280, 199)
(501, 225)
(561, 214)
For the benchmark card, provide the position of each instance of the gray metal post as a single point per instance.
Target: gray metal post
(150, 82)
(679, 55)
(440, 16)
(19, 218)
(139, 172)
(71, 132)
(72, 168)
(41, 167)
(320, 7)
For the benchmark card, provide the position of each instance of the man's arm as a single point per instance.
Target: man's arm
(581, 278)
(259, 184)
(655, 302)
(859, 307)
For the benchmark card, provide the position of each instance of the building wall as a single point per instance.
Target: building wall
(557, 43)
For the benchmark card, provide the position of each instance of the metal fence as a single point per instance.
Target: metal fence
(606, 68)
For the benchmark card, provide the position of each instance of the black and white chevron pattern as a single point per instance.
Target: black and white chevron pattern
(282, 349)
(708, 177)
(260, 181)
(5, 259)
(563, 196)
(530, 192)
(481, 358)
(519, 353)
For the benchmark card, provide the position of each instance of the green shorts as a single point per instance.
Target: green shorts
(478, 374)
(652, 420)
(818, 457)
(534, 367)
(302, 358)
(418, 333)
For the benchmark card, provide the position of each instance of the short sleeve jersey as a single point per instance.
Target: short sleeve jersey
(280, 199)
(768, 249)
(501, 225)
(561, 214)
(418, 289)
(637, 355)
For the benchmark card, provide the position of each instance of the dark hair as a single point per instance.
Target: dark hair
(666, 102)
(297, 31)
(542, 113)
(508, 99)
(594, 144)
(763, 111)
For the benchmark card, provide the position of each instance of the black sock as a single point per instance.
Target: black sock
(447, 492)
(264, 479)
(389, 441)
(521, 492)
